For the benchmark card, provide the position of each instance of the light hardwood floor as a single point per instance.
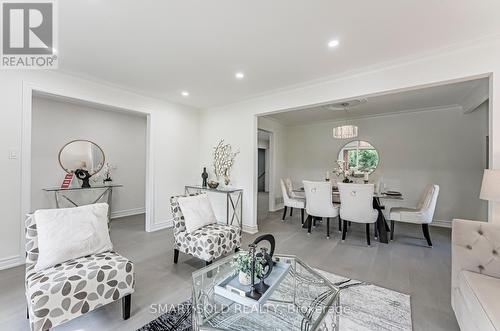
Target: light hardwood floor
(406, 265)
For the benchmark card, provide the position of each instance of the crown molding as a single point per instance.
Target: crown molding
(392, 114)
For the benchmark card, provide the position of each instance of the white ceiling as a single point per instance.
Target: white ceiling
(161, 48)
(456, 95)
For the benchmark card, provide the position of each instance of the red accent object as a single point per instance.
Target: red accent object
(68, 179)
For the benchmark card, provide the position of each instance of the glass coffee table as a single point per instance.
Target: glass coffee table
(303, 300)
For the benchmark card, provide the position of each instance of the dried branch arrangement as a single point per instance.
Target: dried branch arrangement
(223, 160)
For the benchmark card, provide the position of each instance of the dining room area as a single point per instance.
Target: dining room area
(379, 169)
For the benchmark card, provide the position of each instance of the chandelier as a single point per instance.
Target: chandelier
(345, 131)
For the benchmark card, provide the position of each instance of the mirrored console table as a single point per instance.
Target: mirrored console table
(99, 193)
(234, 201)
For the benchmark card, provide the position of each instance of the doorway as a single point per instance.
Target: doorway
(263, 173)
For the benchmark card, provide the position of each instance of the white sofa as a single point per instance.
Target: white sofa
(475, 284)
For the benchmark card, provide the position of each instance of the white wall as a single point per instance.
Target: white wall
(121, 135)
(444, 147)
(174, 146)
(240, 125)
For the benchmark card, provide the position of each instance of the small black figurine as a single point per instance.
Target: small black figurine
(84, 176)
(204, 175)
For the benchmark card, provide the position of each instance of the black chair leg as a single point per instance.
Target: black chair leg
(27, 313)
(284, 213)
(176, 255)
(344, 230)
(392, 230)
(368, 233)
(291, 211)
(328, 227)
(237, 249)
(126, 300)
(349, 223)
(340, 224)
(425, 229)
(376, 229)
(309, 223)
(302, 215)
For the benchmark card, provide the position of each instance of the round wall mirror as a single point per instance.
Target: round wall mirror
(81, 154)
(360, 156)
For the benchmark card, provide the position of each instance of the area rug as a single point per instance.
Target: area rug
(371, 308)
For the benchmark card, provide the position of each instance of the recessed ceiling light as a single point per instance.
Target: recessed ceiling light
(333, 43)
(185, 93)
(239, 75)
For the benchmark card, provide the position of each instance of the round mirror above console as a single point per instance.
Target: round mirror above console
(81, 155)
(359, 155)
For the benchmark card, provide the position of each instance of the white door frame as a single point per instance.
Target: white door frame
(29, 90)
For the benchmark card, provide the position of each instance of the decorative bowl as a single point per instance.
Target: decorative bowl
(212, 184)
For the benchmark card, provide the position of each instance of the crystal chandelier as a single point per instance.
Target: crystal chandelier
(345, 131)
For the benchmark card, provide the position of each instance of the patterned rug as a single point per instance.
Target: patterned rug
(371, 308)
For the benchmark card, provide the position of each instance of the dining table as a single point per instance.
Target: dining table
(382, 228)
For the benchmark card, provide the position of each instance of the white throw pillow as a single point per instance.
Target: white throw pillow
(69, 233)
(197, 211)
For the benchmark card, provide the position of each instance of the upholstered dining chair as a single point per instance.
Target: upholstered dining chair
(291, 191)
(207, 243)
(319, 203)
(70, 289)
(356, 205)
(422, 214)
(289, 201)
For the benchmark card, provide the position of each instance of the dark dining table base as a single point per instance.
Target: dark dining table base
(382, 227)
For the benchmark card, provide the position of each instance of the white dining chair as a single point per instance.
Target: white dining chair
(319, 203)
(356, 205)
(422, 214)
(291, 192)
(288, 201)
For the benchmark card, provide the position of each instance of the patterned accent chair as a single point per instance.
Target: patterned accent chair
(207, 243)
(70, 289)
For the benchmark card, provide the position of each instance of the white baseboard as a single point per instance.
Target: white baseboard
(127, 212)
(251, 229)
(161, 225)
(441, 223)
(11, 262)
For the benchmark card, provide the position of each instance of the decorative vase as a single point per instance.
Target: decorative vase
(204, 176)
(244, 278)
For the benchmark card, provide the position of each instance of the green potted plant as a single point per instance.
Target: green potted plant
(243, 267)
